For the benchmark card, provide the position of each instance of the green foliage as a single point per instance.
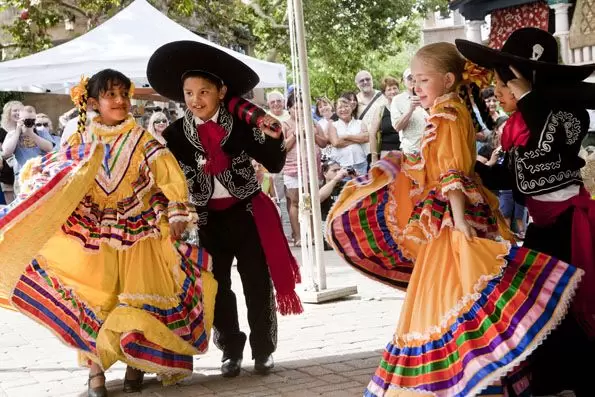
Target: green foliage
(426, 6)
(6, 96)
(343, 36)
(32, 34)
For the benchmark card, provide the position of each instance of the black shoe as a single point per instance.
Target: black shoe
(133, 385)
(263, 365)
(231, 367)
(99, 391)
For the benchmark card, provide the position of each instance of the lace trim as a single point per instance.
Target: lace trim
(168, 375)
(451, 96)
(462, 183)
(102, 130)
(431, 231)
(180, 212)
(419, 163)
(558, 316)
(148, 297)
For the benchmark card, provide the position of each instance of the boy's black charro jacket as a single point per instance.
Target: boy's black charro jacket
(242, 143)
(550, 160)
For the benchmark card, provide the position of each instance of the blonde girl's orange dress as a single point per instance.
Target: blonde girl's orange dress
(474, 309)
(99, 268)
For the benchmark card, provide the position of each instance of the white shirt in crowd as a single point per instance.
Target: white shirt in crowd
(411, 135)
(329, 151)
(352, 154)
(369, 116)
(284, 117)
(70, 127)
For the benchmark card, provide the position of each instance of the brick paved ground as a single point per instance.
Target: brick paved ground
(330, 350)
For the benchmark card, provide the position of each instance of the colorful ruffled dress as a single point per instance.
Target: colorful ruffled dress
(86, 252)
(474, 309)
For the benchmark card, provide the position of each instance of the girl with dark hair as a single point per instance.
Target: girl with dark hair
(109, 273)
(475, 304)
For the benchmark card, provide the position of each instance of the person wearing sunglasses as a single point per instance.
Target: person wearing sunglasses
(25, 142)
(44, 124)
(369, 103)
(157, 124)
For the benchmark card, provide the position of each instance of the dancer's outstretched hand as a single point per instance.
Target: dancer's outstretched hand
(176, 229)
(464, 227)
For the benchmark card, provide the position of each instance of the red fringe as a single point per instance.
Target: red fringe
(289, 304)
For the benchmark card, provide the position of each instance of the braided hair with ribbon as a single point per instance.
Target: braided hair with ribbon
(79, 96)
(476, 78)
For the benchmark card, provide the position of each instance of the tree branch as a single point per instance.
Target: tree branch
(262, 14)
(9, 45)
(74, 8)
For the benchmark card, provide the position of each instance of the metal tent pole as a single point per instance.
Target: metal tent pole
(311, 151)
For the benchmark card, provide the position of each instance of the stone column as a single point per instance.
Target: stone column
(562, 28)
(473, 31)
(457, 18)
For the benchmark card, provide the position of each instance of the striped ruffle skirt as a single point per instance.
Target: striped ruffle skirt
(507, 317)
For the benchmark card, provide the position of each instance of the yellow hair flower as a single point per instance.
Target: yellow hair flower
(79, 91)
(476, 74)
(131, 90)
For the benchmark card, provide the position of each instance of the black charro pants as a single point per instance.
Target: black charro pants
(230, 234)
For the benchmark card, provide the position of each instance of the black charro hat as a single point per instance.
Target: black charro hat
(171, 62)
(529, 50)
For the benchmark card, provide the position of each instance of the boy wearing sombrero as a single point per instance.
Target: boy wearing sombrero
(541, 142)
(214, 148)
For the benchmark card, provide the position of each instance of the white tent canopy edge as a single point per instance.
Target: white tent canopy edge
(124, 42)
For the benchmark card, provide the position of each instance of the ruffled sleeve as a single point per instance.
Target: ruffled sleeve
(74, 140)
(170, 179)
(455, 145)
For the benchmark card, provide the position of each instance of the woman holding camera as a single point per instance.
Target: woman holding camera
(25, 142)
(8, 122)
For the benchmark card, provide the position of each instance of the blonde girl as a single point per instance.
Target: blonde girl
(8, 123)
(476, 305)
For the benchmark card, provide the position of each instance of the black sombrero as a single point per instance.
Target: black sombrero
(529, 50)
(170, 62)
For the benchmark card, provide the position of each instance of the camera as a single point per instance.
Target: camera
(350, 171)
(29, 123)
(501, 156)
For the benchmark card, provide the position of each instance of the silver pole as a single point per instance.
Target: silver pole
(304, 213)
(305, 85)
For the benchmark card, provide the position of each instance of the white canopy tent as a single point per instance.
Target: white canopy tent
(125, 42)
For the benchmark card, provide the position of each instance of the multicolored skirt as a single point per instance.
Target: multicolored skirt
(149, 304)
(474, 309)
